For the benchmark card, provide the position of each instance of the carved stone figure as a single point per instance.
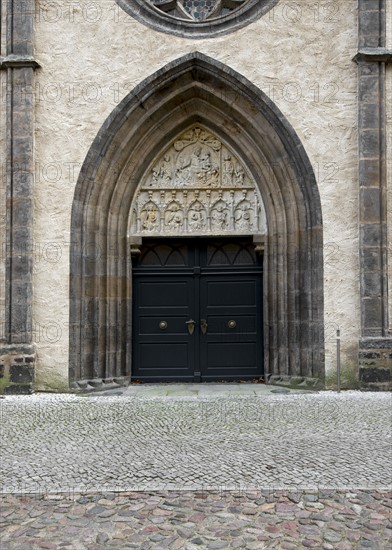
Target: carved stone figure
(242, 216)
(197, 217)
(228, 171)
(150, 217)
(161, 174)
(174, 217)
(239, 175)
(220, 216)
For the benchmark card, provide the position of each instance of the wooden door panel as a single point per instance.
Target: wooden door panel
(163, 347)
(163, 355)
(231, 355)
(231, 349)
(164, 294)
(222, 292)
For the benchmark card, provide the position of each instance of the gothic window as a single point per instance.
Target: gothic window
(196, 18)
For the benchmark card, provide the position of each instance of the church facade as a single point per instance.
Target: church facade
(195, 191)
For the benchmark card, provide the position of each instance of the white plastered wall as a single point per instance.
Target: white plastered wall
(92, 54)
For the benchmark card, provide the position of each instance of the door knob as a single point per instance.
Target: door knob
(191, 326)
(203, 326)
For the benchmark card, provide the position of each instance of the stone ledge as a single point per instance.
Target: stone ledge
(13, 61)
(373, 55)
(23, 349)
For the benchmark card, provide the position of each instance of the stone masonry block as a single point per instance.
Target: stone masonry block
(372, 284)
(370, 204)
(369, 172)
(370, 234)
(369, 89)
(372, 312)
(369, 143)
(374, 375)
(369, 25)
(22, 374)
(369, 115)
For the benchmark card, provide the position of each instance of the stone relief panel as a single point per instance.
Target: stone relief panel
(197, 187)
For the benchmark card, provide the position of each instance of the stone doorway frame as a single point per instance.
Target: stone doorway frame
(195, 89)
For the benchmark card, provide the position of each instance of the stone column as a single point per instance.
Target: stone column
(17, 355)
(375, 346)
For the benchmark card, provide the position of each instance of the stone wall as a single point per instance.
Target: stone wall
(92, 54)
(91, 58)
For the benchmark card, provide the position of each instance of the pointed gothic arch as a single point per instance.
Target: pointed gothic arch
(195, 89)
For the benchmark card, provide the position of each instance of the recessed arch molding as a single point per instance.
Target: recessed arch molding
(195, 90)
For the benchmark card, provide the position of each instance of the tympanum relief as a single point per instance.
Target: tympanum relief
(198, 186)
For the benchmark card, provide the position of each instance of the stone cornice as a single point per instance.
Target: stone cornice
(373, 55)
(18, 62)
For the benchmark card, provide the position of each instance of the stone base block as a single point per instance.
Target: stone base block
(17, 369)
(301, 382)
(375, 364)
(100, 384)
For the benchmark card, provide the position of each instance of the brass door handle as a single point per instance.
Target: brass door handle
(203, 326)
(191, 326)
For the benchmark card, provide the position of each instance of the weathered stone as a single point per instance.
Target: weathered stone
(332, 536)
(102, 538)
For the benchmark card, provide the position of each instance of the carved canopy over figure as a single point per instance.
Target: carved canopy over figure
(197, 10)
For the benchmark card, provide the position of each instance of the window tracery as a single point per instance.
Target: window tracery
(196, 18)
(197, 10)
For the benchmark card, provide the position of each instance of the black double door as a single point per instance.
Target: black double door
(197, 311)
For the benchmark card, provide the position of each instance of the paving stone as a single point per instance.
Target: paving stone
(332, 536)
(153, 517)
(309, 543)
(102, 538)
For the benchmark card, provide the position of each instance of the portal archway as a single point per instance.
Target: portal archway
(191, 92)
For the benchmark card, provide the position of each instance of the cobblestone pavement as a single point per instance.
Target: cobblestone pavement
(327, 520)
(53, 443)
(251, 471)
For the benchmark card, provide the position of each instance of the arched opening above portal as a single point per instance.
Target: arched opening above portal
(197, 187)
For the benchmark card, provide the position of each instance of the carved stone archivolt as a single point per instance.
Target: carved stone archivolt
(198, 186)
